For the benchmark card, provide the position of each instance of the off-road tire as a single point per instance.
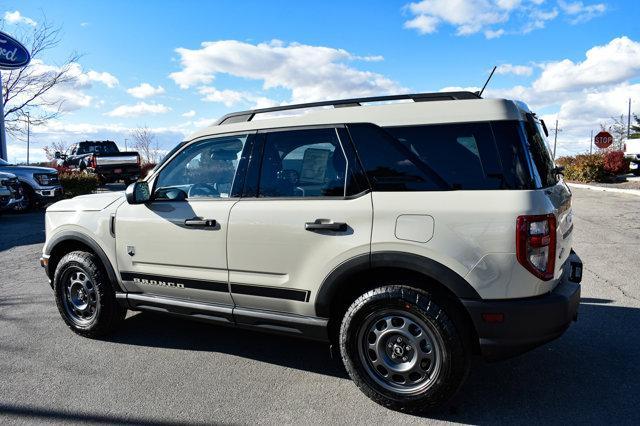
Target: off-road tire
(108, 314)
(426, 307)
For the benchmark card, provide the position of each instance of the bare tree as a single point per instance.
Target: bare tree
(618, 129)
(25, 89)
(144, 141)
(50, 150)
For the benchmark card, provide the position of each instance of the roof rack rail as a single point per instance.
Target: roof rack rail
(244, 116)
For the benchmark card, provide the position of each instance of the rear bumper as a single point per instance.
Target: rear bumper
(527, 323)
(119, 172)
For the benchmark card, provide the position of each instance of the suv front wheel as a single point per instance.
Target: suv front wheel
(85, 298)
(402, 350)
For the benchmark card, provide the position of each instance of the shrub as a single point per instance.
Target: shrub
(78, 183)
(145, 169)
(615, 163)
(585, 168)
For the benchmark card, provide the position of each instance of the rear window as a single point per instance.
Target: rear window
(98, 148)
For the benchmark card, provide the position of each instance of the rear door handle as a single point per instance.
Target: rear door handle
(325, 225)
(201, 223)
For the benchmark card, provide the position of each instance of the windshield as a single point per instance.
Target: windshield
(540, 152)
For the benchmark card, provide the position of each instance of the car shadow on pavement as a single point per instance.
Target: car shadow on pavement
(166, 331)
(20, 229)
(589, 375)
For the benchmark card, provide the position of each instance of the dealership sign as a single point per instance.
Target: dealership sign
(603, 140)
(12, 53)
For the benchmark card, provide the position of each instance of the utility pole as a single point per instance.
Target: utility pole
(629, 120)
(555, 139)
(591, 143)
(28, 134)
(3, 135)
(125, 143)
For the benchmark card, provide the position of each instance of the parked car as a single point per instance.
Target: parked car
(10, 191)
(409, 236)
(632, 152)
(104, 159)
(40, 185)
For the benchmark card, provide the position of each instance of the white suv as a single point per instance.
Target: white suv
(409, 235)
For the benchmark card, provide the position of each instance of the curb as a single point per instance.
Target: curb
(635, 192)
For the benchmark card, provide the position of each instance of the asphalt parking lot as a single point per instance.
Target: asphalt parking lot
(165, 370)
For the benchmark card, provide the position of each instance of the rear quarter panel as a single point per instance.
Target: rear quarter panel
(473, 235)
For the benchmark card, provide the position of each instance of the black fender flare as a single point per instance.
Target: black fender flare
(65, 236)
(409, 261)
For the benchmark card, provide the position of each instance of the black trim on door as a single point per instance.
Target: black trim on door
(218, 286)
(273, 292)
(175, 282)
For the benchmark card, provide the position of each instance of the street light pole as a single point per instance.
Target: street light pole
(555, 141)
(125, 143)
(28, 135)
(591, 143)
(629, 120)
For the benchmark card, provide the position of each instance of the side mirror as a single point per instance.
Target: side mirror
(558, 170)
(138, 193)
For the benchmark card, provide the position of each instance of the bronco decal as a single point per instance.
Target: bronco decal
(158, 283)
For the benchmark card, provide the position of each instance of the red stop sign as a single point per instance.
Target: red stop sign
(603, 140)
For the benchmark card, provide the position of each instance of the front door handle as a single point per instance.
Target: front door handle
(325, 225)
(200, 222)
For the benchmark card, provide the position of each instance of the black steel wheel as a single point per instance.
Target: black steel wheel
(85, 297)
(402, 349)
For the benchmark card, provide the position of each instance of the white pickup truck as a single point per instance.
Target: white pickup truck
(632, 152)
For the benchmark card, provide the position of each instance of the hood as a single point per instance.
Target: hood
(26, 170)
(4, 175)
(92, 202)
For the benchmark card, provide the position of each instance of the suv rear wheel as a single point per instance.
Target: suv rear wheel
(402, 350)
(85, 298)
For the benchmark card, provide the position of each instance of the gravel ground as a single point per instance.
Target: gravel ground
(164, 370)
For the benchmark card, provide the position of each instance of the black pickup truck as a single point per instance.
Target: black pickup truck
(104, 159)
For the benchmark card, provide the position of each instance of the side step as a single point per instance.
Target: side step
(295, 325)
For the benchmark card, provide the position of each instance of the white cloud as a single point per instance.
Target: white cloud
(309, 72)
(16, 17)
(105, 78)
(494, 33)
(514, 69)
(84, 24)
(189, 114)
(583, 95)
(145, 90)
(494, 18)
(580, 12)
(141, 108)
(615, 62)
(70, 95)
(227, 97)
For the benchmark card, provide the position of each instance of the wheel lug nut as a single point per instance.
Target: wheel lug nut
(407, 348)
(399, 339)
(393, 356)
(390, 345)
(404, 358)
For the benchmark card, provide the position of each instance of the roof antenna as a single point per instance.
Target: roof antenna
(487, 82)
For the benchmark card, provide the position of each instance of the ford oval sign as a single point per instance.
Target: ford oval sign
(12, 53)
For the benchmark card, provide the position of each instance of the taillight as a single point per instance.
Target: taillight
(92, 161)
(536, 244)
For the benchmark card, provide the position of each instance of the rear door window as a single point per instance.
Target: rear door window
(540, 152)
(463, 154)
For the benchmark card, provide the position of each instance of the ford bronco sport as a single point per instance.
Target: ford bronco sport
(409, 235)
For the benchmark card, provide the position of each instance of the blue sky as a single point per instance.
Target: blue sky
(269, 52)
